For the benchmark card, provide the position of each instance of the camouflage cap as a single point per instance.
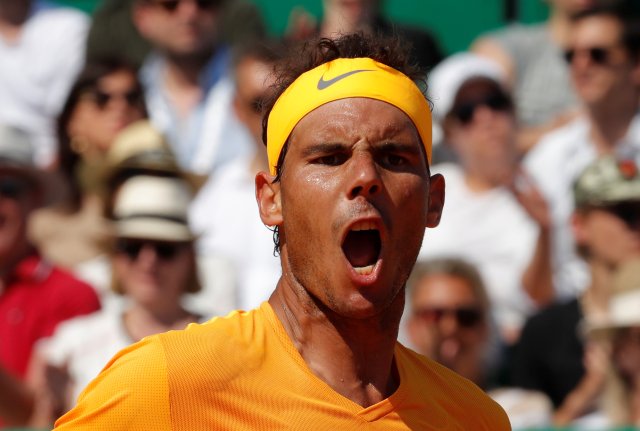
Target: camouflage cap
(607, 181)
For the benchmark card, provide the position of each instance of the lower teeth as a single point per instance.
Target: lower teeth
(364, 270)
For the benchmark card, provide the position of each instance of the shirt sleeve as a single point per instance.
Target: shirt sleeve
(131, 393)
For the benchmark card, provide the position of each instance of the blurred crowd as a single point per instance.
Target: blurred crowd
(129, 144)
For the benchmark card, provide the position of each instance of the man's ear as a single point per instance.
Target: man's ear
(268, 197)
(436, 200)
(139, 16)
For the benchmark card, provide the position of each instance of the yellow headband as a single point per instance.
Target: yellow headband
(341, 79)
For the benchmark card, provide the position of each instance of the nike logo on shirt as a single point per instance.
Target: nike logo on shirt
(322, 84)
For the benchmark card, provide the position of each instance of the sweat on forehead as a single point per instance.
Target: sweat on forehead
(341, 79)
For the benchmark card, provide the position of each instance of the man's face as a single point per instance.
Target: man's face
(355, 197)
(610, 234)
(17, 200)
(253, 78)
(601, 68)
(448, 323)
(482, 128)
(181, 28)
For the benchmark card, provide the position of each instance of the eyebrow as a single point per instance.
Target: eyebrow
(323, 148)
(398, 147)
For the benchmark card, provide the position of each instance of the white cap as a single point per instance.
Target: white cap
(152, 207)
(448, 76)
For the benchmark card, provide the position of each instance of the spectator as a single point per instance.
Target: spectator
(105, 98)
(551, 355)
(113, 33)
(604, 54)
(341, 17)
(187, 81)
(450, 322)
(531, 57)
(35, 296)
(618, 333)
(508, 238)
(141, 150)
(41, 51)
(153, 266)
(225, 214)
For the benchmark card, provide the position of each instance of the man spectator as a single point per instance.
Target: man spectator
(605, 69)
(34, 295)
(551, 355)
(187, 81)
(509, 239)
(450, 321)
(41, 51)
(224, 213)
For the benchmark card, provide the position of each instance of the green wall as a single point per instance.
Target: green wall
(454, 22)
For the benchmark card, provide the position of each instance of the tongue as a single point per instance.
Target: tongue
(361, 248)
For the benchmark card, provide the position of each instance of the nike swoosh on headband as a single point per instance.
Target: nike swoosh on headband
(322, 84)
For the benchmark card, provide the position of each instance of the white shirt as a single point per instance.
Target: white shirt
(211, 135)
(491, 231)
(225, 216)
(37, 71)
(85, 344)
(554, 164)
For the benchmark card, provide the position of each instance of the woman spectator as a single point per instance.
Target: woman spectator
(105, 98)
(153, 264)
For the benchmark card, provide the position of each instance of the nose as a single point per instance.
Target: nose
(366, 178)
(448, 324)
(189, 7)
(147, 256)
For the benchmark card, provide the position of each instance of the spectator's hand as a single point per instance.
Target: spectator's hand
(527, 194)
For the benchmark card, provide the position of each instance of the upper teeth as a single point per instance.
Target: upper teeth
(364, 225)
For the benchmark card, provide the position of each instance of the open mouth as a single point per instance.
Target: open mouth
(362, 247)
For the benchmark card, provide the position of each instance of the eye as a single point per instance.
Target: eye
(331, 159)
(391, 159)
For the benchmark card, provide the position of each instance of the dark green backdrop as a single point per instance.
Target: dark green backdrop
(454, 22)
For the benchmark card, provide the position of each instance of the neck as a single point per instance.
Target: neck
(13, 14)
(595, 300)
(182, 84)
(9, 263)
(353, 356)
(142, 321)
(484, 180)
(610, 124)
(559, 25)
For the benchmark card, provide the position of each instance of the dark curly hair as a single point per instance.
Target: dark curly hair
(391, 51)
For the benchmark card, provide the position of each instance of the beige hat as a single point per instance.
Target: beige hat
(152, 207)
(606, 181)
(17, 158)
(140, 147)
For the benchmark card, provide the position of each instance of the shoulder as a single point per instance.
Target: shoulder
(462, 400)
(550, 319)
(132, 391)
(555, 146)
(72, 21)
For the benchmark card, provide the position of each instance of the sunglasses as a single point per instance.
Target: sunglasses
(598, 55)
(133, 98)
(14, 188)
(496, 102)
(628, 212)
(172, 5)
(466, 317)
(164, 250)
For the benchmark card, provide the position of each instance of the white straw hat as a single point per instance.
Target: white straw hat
(152, 207)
